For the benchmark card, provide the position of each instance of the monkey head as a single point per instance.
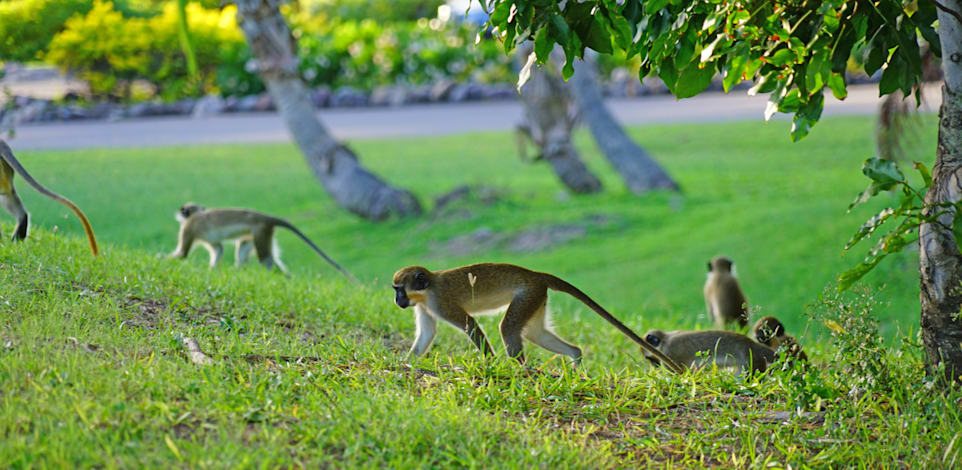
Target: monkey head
(187, 210)
(654, 338)
(409, 285)
(767, 328)
(720, 263)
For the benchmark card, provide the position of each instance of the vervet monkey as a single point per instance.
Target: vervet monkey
(695, 349)
(12, 203)
(770, 332)
(724, 299)
(454, 295)
(250, 230)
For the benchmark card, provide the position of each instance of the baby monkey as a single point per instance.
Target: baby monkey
(724, 298)
(250, 230)
(454, 295)
(770, 332)
(695, 349)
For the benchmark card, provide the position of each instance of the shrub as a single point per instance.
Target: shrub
(109, 51)
(366, 54)
(27, 26)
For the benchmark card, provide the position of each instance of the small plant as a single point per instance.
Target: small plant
(910, 213)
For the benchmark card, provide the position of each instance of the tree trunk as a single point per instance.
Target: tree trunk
(548, 122)
(940, 259)
(275, 55)
(640, 172)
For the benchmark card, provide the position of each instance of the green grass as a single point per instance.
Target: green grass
(92, 373)
(777, 208)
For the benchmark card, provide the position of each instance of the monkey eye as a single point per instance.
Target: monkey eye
(653, 340)
(420, 281)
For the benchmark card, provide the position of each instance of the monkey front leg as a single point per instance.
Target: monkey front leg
(427, 327)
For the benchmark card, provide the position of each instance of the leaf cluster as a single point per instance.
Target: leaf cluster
(793, 50)
(910, 213)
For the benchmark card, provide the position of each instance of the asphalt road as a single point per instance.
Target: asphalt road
(417, 120)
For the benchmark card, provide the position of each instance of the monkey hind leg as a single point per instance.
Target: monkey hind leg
(538, 331)
(264, 246)
(521, 311)
(242, 251)
(12, 203)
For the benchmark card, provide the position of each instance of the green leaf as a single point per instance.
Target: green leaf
(836, 82)
(500, 13)
(924, 171)
(693, 79)
(782, 57)
(869, 226)
(884, 172)
(559, 29)
(655, 5)
(542, 45)
(891, 77)
(847, 278)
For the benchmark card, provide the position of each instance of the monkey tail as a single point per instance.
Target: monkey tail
(560, 285)
(291, 227)
(7, 155)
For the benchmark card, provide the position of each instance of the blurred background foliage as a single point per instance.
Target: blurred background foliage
(129, 49)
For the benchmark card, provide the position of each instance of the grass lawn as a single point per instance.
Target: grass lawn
(92, 374)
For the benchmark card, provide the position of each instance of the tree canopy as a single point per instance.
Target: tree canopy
(793, 50)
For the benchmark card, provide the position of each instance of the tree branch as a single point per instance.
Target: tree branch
(957, 15)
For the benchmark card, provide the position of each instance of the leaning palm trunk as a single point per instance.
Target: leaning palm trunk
(940, 259)
(640, 172)
(337, 168)
(548, 121)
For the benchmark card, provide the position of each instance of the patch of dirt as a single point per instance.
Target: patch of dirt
(147, 313)
(460, 202)
(523, 241)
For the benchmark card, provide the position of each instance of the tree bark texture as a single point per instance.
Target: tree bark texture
(335, 166)
(940, 259)
(640, 172)
(548, 119)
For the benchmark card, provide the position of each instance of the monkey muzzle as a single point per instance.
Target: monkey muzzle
(401, 297)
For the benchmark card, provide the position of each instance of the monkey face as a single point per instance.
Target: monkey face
(187, 210)
(767, 328)
(720, 263)
(409, 284)
(653, 338)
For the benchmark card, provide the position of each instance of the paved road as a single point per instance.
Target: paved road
(418, 120)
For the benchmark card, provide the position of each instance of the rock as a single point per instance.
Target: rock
(654, 85)
(264, 102)
(387, 96)
(32, 111)
(321, 97)
(499, 91)
(348, 96)
(247, 104)
(441, 90)
(230, 104)
(210, 105)
(466, 92)
(418, 94)
(99, 110)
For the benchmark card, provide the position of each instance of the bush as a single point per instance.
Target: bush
(27, 26)
(366, 54)
(110, 51)
(381, 11)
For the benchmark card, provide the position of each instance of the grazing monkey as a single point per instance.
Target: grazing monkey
(250, 230)
(694, 349)
(770, 332)
(723, 296)
(454, 295)
(12, 203)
